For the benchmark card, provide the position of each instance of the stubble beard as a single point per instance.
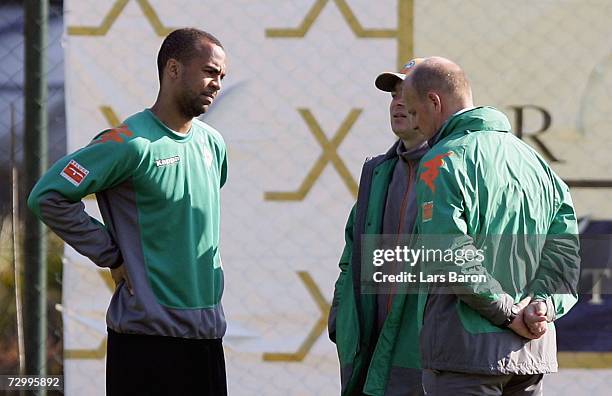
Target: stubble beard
(190, 105)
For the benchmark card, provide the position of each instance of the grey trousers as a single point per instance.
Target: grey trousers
(443, 383)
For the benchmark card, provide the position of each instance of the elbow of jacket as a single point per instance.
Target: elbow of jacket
(34, 202)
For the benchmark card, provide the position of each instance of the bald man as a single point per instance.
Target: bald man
(376, 334)
(478, 189)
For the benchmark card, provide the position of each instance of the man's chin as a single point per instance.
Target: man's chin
(401, 135)
(399, 128)
(198, 111)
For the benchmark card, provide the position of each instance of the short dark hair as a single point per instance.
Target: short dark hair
(432, 75)
(181, 45)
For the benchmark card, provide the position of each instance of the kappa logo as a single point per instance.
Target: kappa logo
(167, 161)
(433, 170)
(74, 172)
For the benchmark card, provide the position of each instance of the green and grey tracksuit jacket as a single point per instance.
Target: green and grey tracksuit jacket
(158, 193)
(377, 358)
(483, 186)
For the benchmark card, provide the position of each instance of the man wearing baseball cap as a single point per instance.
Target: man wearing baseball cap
(376, 335)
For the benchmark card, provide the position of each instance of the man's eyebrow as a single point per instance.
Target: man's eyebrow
(216, 69)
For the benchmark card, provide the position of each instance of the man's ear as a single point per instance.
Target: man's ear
(173, 68)
(434, 100)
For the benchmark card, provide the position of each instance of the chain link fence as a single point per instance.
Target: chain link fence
(12, 72)
(299, 113)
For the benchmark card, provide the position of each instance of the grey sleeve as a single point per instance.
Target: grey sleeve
(487, 298)
(84, 233)
(496, 311)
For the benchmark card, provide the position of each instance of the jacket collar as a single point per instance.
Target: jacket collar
(392, 152)
(414, 153)
(482, 118)
(398, 150)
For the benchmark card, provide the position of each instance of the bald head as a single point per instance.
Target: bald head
(443, 76)
(436, 89)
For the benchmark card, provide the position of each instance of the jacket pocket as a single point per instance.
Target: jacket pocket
(347, 327)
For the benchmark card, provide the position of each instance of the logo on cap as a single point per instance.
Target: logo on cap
(409, 64)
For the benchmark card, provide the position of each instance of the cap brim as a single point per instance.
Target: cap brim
(387, 81)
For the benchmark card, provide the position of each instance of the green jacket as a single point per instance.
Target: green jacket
(483, 188)
(353, 314)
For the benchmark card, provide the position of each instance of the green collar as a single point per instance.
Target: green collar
(482, 118)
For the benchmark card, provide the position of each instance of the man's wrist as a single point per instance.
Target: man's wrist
(513, 314)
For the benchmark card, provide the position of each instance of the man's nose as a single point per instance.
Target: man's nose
(216, 82)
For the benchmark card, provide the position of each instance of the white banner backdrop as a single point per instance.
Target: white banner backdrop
(299, 112)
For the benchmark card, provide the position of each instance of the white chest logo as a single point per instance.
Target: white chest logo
(167, 161)
(208, 157)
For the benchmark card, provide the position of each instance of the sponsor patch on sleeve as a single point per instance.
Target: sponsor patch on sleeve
(427, 211)
(74, 172)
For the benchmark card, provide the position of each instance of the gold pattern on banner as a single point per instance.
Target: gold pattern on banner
(112, 16)
(108, 279)
(89, 354)
(329, 154)
(100, 351)
(585, 360)
(403, 33)
(316, 330)
(110, 116)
